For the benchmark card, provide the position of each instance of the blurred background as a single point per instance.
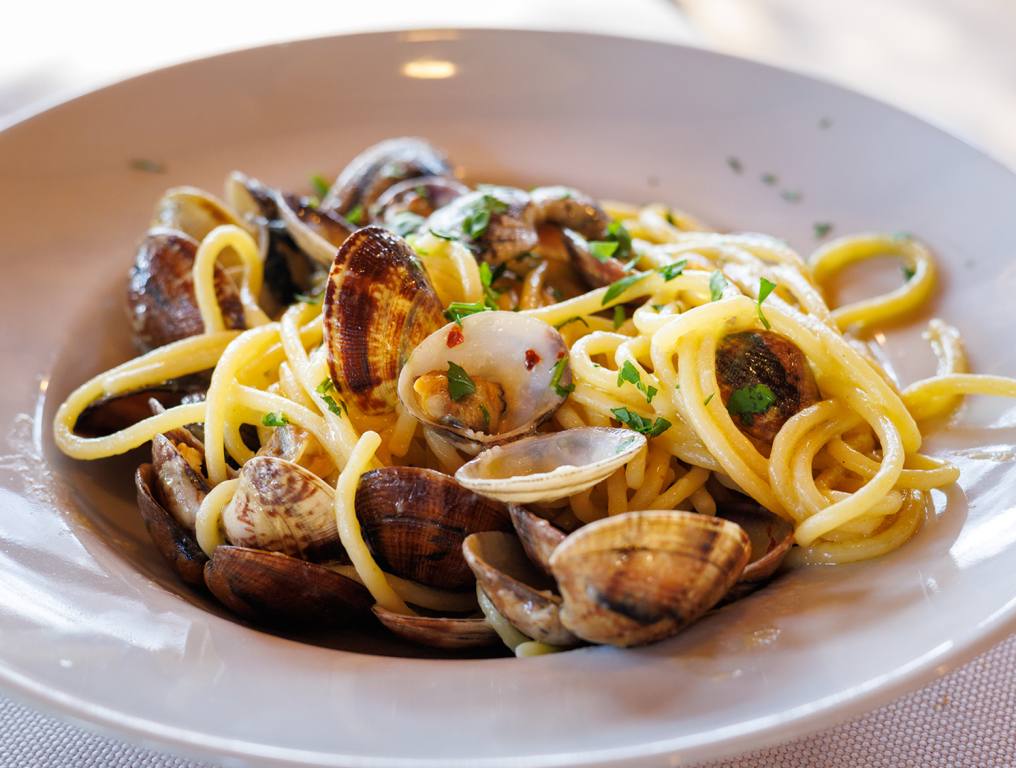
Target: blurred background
(951, 61)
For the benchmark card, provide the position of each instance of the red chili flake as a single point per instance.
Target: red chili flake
(531, 359)
(455, 337)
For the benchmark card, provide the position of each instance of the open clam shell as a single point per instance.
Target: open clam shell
(771, 539)
(415, 520)
(270, 587)
(282, 507)
(570, 208)
(161, 303)
(404, 206)
(551, 466)
(195, 212)
(438, 631)
(379, 306)
(505, 352)
(318, 233)
(521, 592)
(640, 577)
(538, 536)
(379, 167)
(174, 542)
(298, 446)
(111, 414)
(510, 228)
(181, 487)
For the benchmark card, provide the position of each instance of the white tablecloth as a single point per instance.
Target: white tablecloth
(952, 61)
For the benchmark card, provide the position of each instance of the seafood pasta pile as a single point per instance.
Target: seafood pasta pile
(484, 413)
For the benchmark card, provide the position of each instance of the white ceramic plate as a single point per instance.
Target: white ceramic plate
(94, 626)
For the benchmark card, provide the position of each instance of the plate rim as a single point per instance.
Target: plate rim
(781, 728)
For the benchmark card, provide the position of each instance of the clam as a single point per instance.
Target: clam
(403, 207)
(282, 507)
(298, 446)
(640, 577)
(521, 592)
(415, 520)
(174, 542)
(160, 294)
(379, 306)
(493, 378)
(446, 632)
(379, 167)
(274, 588)
(177, 466)
(570, 209)
(498, 223)
(771, 539)
(194, 212)
(596, 273)
(551, 466)
(538, 536)
(764, 379)
(111, 414)
(317, 232)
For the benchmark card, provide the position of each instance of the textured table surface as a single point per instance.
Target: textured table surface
(934, 57)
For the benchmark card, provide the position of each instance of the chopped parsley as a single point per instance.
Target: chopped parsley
(616, 233)
(717, 282)
(602, 250)
(460, 385)
(486, 417)
(822, 228)
(460, 309)
(629, 373)
(640, 424)
(324, 389)
(405, 222)
(908, 273)
(746, 402)
(355, 215)
(146, 165)
(555, 379)
(571, 320)
(320, 185)
(765, 287)
(791, 195)
(670, 271)
(617, 288)
(735, 164)
(769, 179)
(274, 419)
(619, 316)
(488, 276)
(709, 399)
(478, 219)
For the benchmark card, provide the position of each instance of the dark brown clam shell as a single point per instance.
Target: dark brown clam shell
(379, 305)
(273, 588)
(572, 209)
(174, 542)
(160, 295)
(771, 539)
(111, 414)
(438, 631)
(420, 197)
(538, 536)
(522, 593)
(415, 520)
(510, 231)
(379, 167)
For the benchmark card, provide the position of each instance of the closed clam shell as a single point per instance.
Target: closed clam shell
(538, 536)
(273, 588)
(161, 304)
(379, 167)
(640, 577)
(174, 542)
(521, 592)
(513, 351)
(415, 520)
(378, 306)
(551, 466)
(438, 631)
(282, 507)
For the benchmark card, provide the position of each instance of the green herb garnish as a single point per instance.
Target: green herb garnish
(444, 235)
(555, 379)
(490, 296)
(405, 222)
(822, 228)
(460, 385)
(735, 164)
(709, 399)
(274, 419)
(602, 250)
(791, 195)
(908, 273)
(486, 417)
(765, 287)
(478, 219)
(323, 389)
(617, 288)
(355, 215)
(629, 373)
(616, 233)
(571, 320)
(717, 282)
(670, 271)
(769, 179)
(460, 309)
(746, 402)
(640, 424)
(320, 185)
(619, 316)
